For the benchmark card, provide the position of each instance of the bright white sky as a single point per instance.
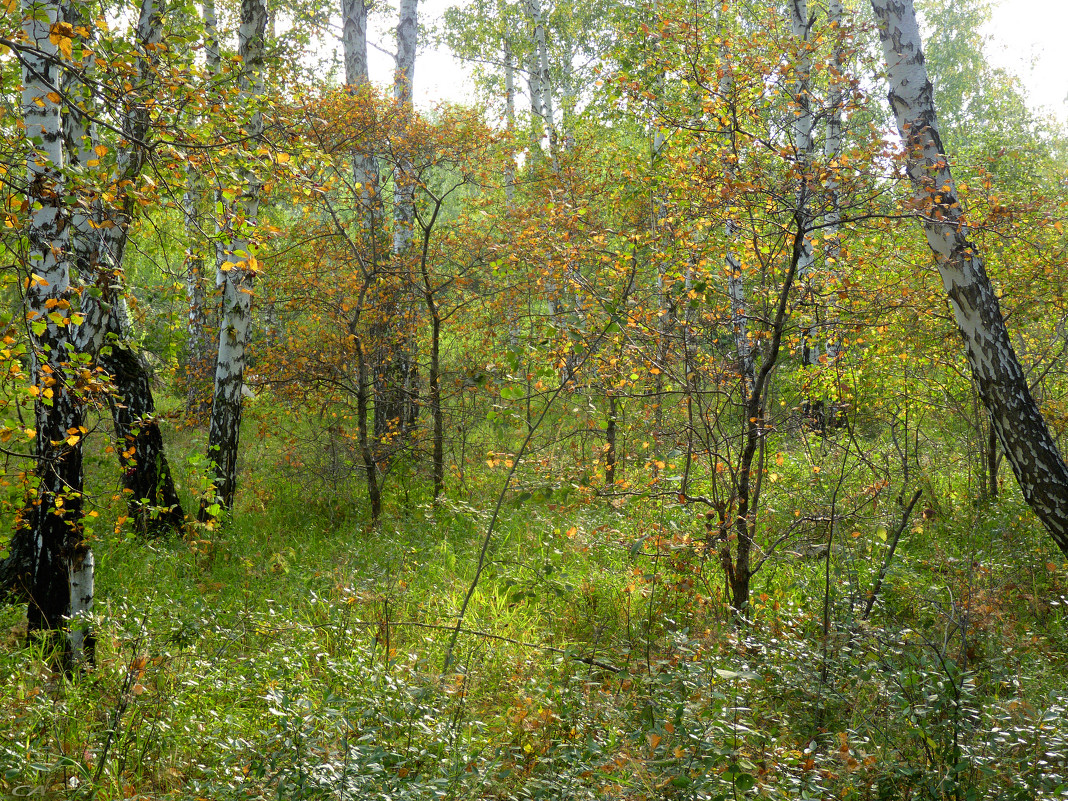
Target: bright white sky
(1027, 38)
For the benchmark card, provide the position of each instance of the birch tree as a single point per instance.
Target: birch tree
(235, 272)
(198, 370)
(59, 585)
(365, 173)
(998, 376)
(99, 246)
(804, 151)
(394, 363)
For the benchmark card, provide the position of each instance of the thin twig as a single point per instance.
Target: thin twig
(905, 515)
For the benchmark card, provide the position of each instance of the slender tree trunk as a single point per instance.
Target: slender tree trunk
(374, 493)
(740, 572)
(395, 371)
(1031, 450)
(436, 410)
(832, 148)
(743, 349)
(235, 274)
(537, 112)
(544, 78)
(509, 118)
(804, 149)
(198, 347)
(365, 174)
(198, 371)
(610, 442)
(59, 583)
(404, 181)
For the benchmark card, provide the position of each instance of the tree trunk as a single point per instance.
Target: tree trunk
(153, 501)
(832, 148)
(610, 443)
(59, 580)
(404, 181)
(394, 343)
(509, 118)
(1002, 386)
(544, 79)
(804, 151)
(147, 481)
(735, 284)
(365, 174)
(235, 273)
(198, 368)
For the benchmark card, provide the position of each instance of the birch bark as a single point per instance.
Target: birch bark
(544, 103)
(999, 379)
(394, 363)
(235, 274)
(365, 174)
(59, 582)
(199, 351)
(804, 149)
(152, 497)
(832, 148)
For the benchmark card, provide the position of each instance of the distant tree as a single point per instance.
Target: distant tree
(236, 269)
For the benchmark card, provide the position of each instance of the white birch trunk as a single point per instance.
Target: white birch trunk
(537, 111)
(804, 149)
(404, 188)
(199, 350)
(999, 379)
(544, 80)
(735, 282)
(235, 273)
(832, 148)
(52, 521)
(509, 119)
(365, 175)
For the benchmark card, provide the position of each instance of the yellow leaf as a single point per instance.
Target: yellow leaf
(72, 440)
(282, 158)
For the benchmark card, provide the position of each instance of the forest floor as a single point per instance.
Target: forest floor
(294, 653)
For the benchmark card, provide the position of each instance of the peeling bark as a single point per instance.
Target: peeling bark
(1030, 449)
(544, 103)
(235, 274)
(198, 368)
(51, 524)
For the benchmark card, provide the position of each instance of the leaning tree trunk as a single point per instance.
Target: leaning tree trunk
(999, 378)
(99, 243)
(59, 581)
(235, 273)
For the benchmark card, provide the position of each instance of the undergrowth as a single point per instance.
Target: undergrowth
(294, 654)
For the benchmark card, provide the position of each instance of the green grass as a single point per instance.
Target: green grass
(293, 653)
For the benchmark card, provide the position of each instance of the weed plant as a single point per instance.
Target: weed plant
(293, 654)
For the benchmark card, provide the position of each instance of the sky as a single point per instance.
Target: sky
(1027, 37)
